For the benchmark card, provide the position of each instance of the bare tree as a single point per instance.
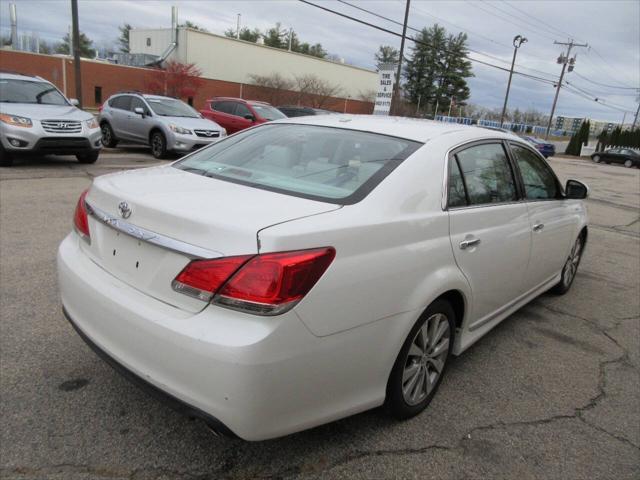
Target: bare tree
(275, 88)
(367, 95)
(315, 91)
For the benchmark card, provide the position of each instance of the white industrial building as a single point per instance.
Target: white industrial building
(233, 60)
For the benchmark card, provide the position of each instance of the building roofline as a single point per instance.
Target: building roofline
(261, 46)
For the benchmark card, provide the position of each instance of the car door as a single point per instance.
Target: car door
(553, 220)
(488, 226)
(224, 115)
(119, 116)
(139, 126)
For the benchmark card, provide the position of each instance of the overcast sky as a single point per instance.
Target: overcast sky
(610, 27)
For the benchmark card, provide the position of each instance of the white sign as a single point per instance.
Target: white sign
(384, 96)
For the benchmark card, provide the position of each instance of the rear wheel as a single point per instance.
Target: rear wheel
(158, 145)
(596, 158)
(628, 163)
(422, 361)
(570, 268)
(6, 159)
(88, 157)
(108, 138)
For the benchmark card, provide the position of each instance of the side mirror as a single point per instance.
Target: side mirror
(576, 190)
(249, 117)
(139, 111)
(74, 102)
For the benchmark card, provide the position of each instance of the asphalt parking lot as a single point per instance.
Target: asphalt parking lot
(553, 392)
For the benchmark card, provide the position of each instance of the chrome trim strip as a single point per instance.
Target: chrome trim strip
(150, 237)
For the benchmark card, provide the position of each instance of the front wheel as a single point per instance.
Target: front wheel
(628, 163)
(596, 158)
(158, 145)
(88, 157)
(570, 268)
(108, 138)
(422, 361)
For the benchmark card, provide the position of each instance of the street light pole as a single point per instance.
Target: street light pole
(518, 40)
(396, 87)
(635, 119)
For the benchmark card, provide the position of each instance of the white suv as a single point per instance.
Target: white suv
(36, 118)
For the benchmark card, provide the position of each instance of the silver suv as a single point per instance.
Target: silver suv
(164, 123)
(36, 118)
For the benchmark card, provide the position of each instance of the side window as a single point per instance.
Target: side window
(122, 102)
(487, 174)
(224, 107)
(457, 194)
(242, 110)
(539, 181)
(136, 102)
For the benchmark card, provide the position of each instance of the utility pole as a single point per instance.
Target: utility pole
(76, 51)
(635, 119)
(564, 60)
(238, 28)
(290, 37)
(396, 87)
(518, 40)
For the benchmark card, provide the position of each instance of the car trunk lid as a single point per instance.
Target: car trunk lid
(174, 216)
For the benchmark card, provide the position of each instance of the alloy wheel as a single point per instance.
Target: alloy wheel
(157, 146)
(106, 135)
(628, 163)
(596, 159)
(425, 361)
(571, 267)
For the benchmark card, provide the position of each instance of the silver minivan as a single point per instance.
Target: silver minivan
(165, 124)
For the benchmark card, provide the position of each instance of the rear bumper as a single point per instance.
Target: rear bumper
(174, 402)
(255, 377)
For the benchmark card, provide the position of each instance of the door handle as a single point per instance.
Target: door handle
(472, 242)
(538, 227)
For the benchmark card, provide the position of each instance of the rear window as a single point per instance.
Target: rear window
(267, 112)
(320, 163)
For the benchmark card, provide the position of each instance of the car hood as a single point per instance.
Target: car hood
(45, 112)
(192, 123)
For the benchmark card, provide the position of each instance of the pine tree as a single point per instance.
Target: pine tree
(86, 46)
(385, 55)
(437, 69)
(123, 39)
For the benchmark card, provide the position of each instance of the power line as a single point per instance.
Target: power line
(424, 43)
(609, 65)
(604, 84)
(531, 25)
(533, 17)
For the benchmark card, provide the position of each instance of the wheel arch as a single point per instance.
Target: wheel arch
(154, 130)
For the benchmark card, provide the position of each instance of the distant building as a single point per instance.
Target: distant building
(228, 59)
(572, 124)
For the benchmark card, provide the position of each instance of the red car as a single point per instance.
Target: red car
(235, 114)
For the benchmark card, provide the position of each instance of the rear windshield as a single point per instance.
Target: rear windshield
(320, 163)
(268, 112)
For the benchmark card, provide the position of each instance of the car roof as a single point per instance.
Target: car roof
(19, 76)
(417, 129)
(158, 97)
(236, 99)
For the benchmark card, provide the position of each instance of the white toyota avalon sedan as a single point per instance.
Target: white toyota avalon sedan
(308, 269)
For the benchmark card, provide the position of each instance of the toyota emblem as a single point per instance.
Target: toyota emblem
(124, 209)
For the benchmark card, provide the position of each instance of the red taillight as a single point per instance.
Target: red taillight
(202, 278)
(266, 284)
(80, 218)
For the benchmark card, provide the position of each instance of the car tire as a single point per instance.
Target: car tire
(596, 158)
(158, 145)
(6, 159)
(408, 390)
(108, 137)
(570, 267)
(628, 163)
(88, 157)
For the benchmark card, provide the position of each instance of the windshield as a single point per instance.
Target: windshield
(27, 91)
(270, 113)
(321, 163)
(168, 107)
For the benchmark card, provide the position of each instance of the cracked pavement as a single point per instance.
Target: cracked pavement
(552, 392)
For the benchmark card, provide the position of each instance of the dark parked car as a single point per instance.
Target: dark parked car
(235, 114)
(629, 158)
(297, 111)
(545, 148)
